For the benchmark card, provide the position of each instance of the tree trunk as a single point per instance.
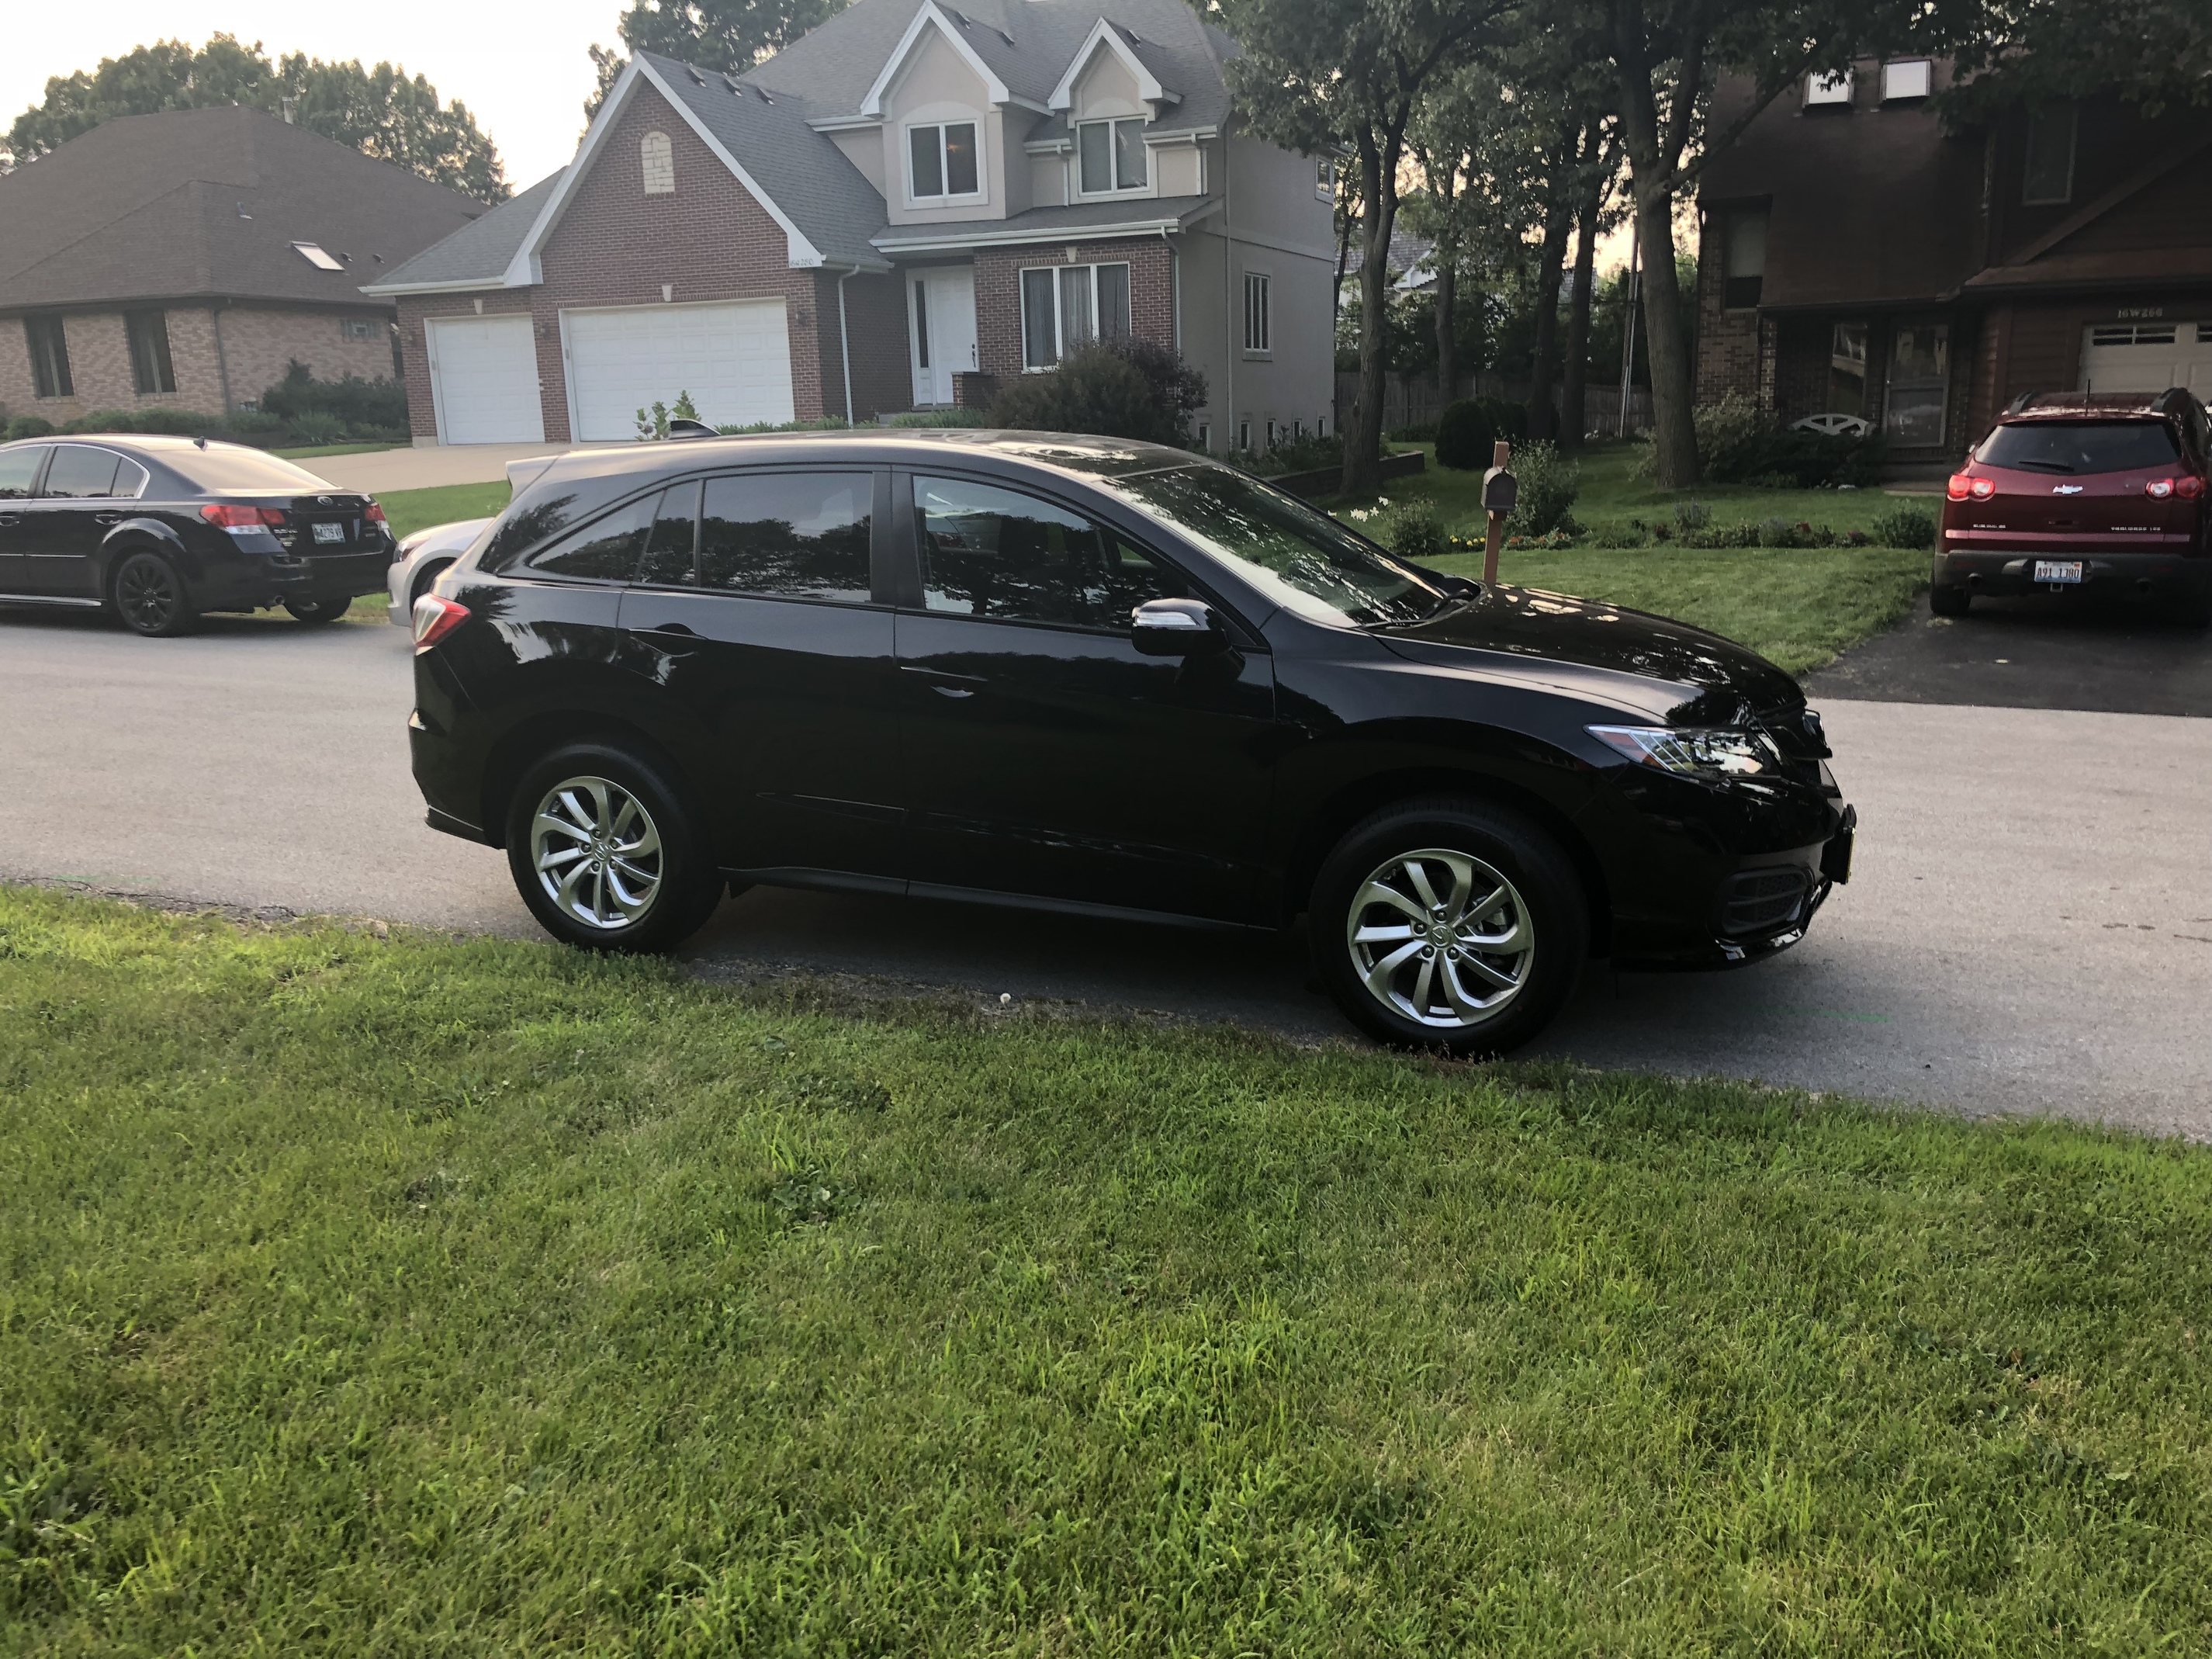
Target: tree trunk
(1544, 363)
(1574, 412)
(1447, 332)
(1666, 344)
(1363, 442)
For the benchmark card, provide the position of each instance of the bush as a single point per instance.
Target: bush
(1693, 515)
(1509, 420)
(1410, 529)
(363, 408)
(1307, 454)
(1738, 442)
(1906, 526)
(1464, 435)
(1114, 388)
(316, 427)
(28, 425)
(827, 423)
(1775, 532)
(1547, 488)
(1634, 533)
(1420, 432)
(936, 417)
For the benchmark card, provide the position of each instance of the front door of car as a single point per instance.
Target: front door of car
(757, 613)
(19, 477)
(65, 525)
(1045, 756)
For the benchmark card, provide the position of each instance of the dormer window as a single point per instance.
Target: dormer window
(942, 164)
(1112, 154)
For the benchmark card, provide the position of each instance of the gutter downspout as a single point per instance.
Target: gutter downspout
(845, 341)
(1231, 324)
(1174, 291)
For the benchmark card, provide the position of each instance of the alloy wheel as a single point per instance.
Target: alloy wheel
(1440, 938)
(146, 594)
(597, 852)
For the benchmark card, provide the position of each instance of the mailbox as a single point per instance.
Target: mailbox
(1498, 487)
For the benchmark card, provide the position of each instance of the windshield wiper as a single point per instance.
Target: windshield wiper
(2046, 466)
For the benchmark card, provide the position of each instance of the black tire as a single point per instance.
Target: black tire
(1949, 601)
(685, 884)
(150, 595)
(1538, 909)
(317, 608)
(423, 578)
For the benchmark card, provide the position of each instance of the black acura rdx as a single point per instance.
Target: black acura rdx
(1082, 675)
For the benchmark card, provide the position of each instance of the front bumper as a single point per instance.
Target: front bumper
(2005, 573)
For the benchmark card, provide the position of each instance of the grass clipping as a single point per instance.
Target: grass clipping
(371, 1295)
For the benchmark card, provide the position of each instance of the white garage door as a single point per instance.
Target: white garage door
(484, 371)
(2148, 357)
(734, 359)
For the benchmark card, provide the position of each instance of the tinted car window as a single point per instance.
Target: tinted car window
(987, 551)
(79, 471)
(18, 468)
(2079, 446)
(233, 467)
(793, 535)
(1301, 558)
(605, 550)
(130, 479)
(672, 557)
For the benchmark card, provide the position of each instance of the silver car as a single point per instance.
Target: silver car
(423, 556)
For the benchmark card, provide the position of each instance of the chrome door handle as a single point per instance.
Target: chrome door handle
(10, 521)
(108, 517)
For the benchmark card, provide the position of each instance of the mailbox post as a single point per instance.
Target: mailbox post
(1498, 489)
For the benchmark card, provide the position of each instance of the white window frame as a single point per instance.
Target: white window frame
(1113, 156)
(1059, 323)
(1259, 341)
(1834, 91)
(1897, 79)
(946, 198)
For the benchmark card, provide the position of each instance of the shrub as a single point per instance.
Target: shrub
(1738, 442)
(1547, 488)
(1632, 534)
(1307, 454)
(1509, 420)
(1906, 526)
(1464, 436)
(935, 417)
(28, 425)
(1693, 515)
(317, 427)
(1410, 529)
(1116, 389)
(1558, 542)
(1775, 532)
(255, 423)
(1420, 432)
(362, 408)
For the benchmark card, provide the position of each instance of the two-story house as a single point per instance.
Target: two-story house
(911, 203)
(1861, 259)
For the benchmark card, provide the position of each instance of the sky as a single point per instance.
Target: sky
(522, 70)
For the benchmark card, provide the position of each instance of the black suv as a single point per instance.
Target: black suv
(1084, 675)
(161, 530)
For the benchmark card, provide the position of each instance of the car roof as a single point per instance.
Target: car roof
(2102, 405)
(1072, 452)
(154, 443)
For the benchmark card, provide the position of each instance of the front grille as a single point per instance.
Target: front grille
(1762, 901)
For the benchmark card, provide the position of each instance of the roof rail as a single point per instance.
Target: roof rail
(2021, 402)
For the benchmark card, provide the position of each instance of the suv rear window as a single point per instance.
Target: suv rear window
(2079, 446)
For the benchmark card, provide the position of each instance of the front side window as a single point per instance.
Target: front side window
(19, 471)
(997, 553)
(1111, 155)
(605, 550)
(50, 363)
(150, 368)
(81, 472)
(942, 163)
(1064, 307)
(1747, 260)
(788, 535)
(2047, 178)
(1259, 313)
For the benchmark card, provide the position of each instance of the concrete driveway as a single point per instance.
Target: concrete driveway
(377, 471)
(2030, 927)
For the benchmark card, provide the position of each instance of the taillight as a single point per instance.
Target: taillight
(2159, 489)
(2189, 488)
(239, 519)
(1984, 488)
(1959, 486)
(373, 513)
(436, 617)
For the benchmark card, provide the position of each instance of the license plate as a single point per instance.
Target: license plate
(336, 533)
(2058, 570)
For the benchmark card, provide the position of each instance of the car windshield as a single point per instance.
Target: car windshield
(1301, 558)
(227, 467)
(2079, 446)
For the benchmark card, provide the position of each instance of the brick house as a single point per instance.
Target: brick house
(183, 260)
(899, 211)
(1859, 259)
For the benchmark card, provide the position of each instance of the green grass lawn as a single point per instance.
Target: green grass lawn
(394, 1296)
(335, 449)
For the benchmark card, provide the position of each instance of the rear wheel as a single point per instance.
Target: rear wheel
(606, 853)
(1949, 601)
(151, 597)
(316, 609)
(1449, 924)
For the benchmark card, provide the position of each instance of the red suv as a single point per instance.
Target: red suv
(2076, 493)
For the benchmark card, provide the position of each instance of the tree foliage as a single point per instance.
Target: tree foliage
(382, 111)
(715, 35)
(2154, 53)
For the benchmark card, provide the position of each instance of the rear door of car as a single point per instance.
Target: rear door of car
(758, 612)
(18, 480)
(86, 493)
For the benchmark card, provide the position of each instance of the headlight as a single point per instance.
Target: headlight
(1728, 750)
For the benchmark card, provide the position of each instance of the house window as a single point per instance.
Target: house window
(1321, 426)
(1064, 307)
(1205, 434)
(1747, 258)
(942, 161)
(2048, 177)
(1244, 433)
(150, 368)
(1325, 179)
(1828, 91)
(657, 156)
(361, 331)
(1113, 156)
(50, 364)
(921, 324)
(1913, 78)
(1919, 373)
(1259, 323)
(1847, 369)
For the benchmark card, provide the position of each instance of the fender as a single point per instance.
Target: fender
(142, 531)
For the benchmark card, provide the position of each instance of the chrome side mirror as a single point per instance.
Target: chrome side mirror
(1176, 628)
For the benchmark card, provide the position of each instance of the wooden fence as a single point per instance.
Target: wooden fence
(1418, 399)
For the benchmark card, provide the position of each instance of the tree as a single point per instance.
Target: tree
(381, 111)
(715, 35)
(2152, 52)
(1591, 220)
(1316, 76)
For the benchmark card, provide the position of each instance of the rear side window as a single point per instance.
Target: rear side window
(607, 550)
(2080, 446)
(83, 473)
(672, 557)
(788, 535)
(19, 470)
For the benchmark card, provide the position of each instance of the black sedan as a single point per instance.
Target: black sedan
(1084, 676)
(161, 530)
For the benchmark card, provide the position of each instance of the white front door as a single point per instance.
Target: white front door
(734, 359)
(941, 323)
(484, 380)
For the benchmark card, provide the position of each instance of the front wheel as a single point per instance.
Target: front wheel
(316, 610)
(1449, 924)
(607, 854)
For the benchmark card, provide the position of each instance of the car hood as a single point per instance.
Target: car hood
(1668, 669)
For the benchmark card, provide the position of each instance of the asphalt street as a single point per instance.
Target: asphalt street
(2029, 928)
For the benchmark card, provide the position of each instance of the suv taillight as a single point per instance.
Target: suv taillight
(2187, 486)
(1963, 485)
(236, 519)
(435, 618)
